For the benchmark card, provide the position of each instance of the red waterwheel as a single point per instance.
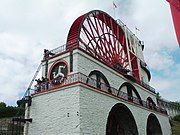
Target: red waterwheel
(99, 35)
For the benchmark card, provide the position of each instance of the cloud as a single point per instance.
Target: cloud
(154, 20)
(168, 83)
(26, 28)
(160, 61)
(17, 57)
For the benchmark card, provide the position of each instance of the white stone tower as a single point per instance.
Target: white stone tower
(96, 84)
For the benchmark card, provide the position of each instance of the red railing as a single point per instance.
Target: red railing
(83, 79)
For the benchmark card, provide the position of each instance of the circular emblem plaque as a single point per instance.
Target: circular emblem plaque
(58, 72)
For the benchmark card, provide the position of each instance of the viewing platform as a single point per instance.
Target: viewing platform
(79, 78)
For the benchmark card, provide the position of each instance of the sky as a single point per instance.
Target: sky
(27, 27)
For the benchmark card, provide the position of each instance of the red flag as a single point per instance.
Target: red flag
(175, 11)
(114, 5)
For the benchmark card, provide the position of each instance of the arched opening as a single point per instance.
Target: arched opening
(150, 103)
(153, 126)
(98, 79)
(131, 91)
(121, 121)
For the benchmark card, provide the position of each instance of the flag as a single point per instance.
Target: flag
(137, 29)
(175, 11)
(114, 5)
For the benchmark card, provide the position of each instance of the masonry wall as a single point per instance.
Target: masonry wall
(63, 57)
(55, 113)
(86, 64)
(95, 108)
(81, 110)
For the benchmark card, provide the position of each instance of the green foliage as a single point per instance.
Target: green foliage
(177, 118)
(175, 126)
(10, 111)
(158, 95)
(2, 105)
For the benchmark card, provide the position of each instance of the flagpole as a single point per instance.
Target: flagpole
(114, 13)
(114, 9)
(136, 30)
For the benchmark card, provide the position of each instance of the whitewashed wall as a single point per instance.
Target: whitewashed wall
(55, 113)
(86, 64)
(95, 108)
(80, 110)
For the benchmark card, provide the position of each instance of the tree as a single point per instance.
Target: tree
(10, 111)
(158, 95)
(2, 105)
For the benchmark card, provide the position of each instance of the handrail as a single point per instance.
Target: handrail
(83, 79)
(59, 49)
(62, 49)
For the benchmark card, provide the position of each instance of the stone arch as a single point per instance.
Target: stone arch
(153, 126)
(130, 90)
(99, 80)
(150, 103)
(121, 121)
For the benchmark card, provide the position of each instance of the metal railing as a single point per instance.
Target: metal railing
(102, 87)
(59, 49)
(62, 49)
(145, 85)
(138, 81)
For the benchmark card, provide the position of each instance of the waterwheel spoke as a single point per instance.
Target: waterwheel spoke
(98, 46)
(101, 36)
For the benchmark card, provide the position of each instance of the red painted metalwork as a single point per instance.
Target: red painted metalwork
(134, 65)
(175, 10)
(99, 35)
(54, 64)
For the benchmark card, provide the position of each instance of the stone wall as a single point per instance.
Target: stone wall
(55, 112)
(86, 64)
(82, 110)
